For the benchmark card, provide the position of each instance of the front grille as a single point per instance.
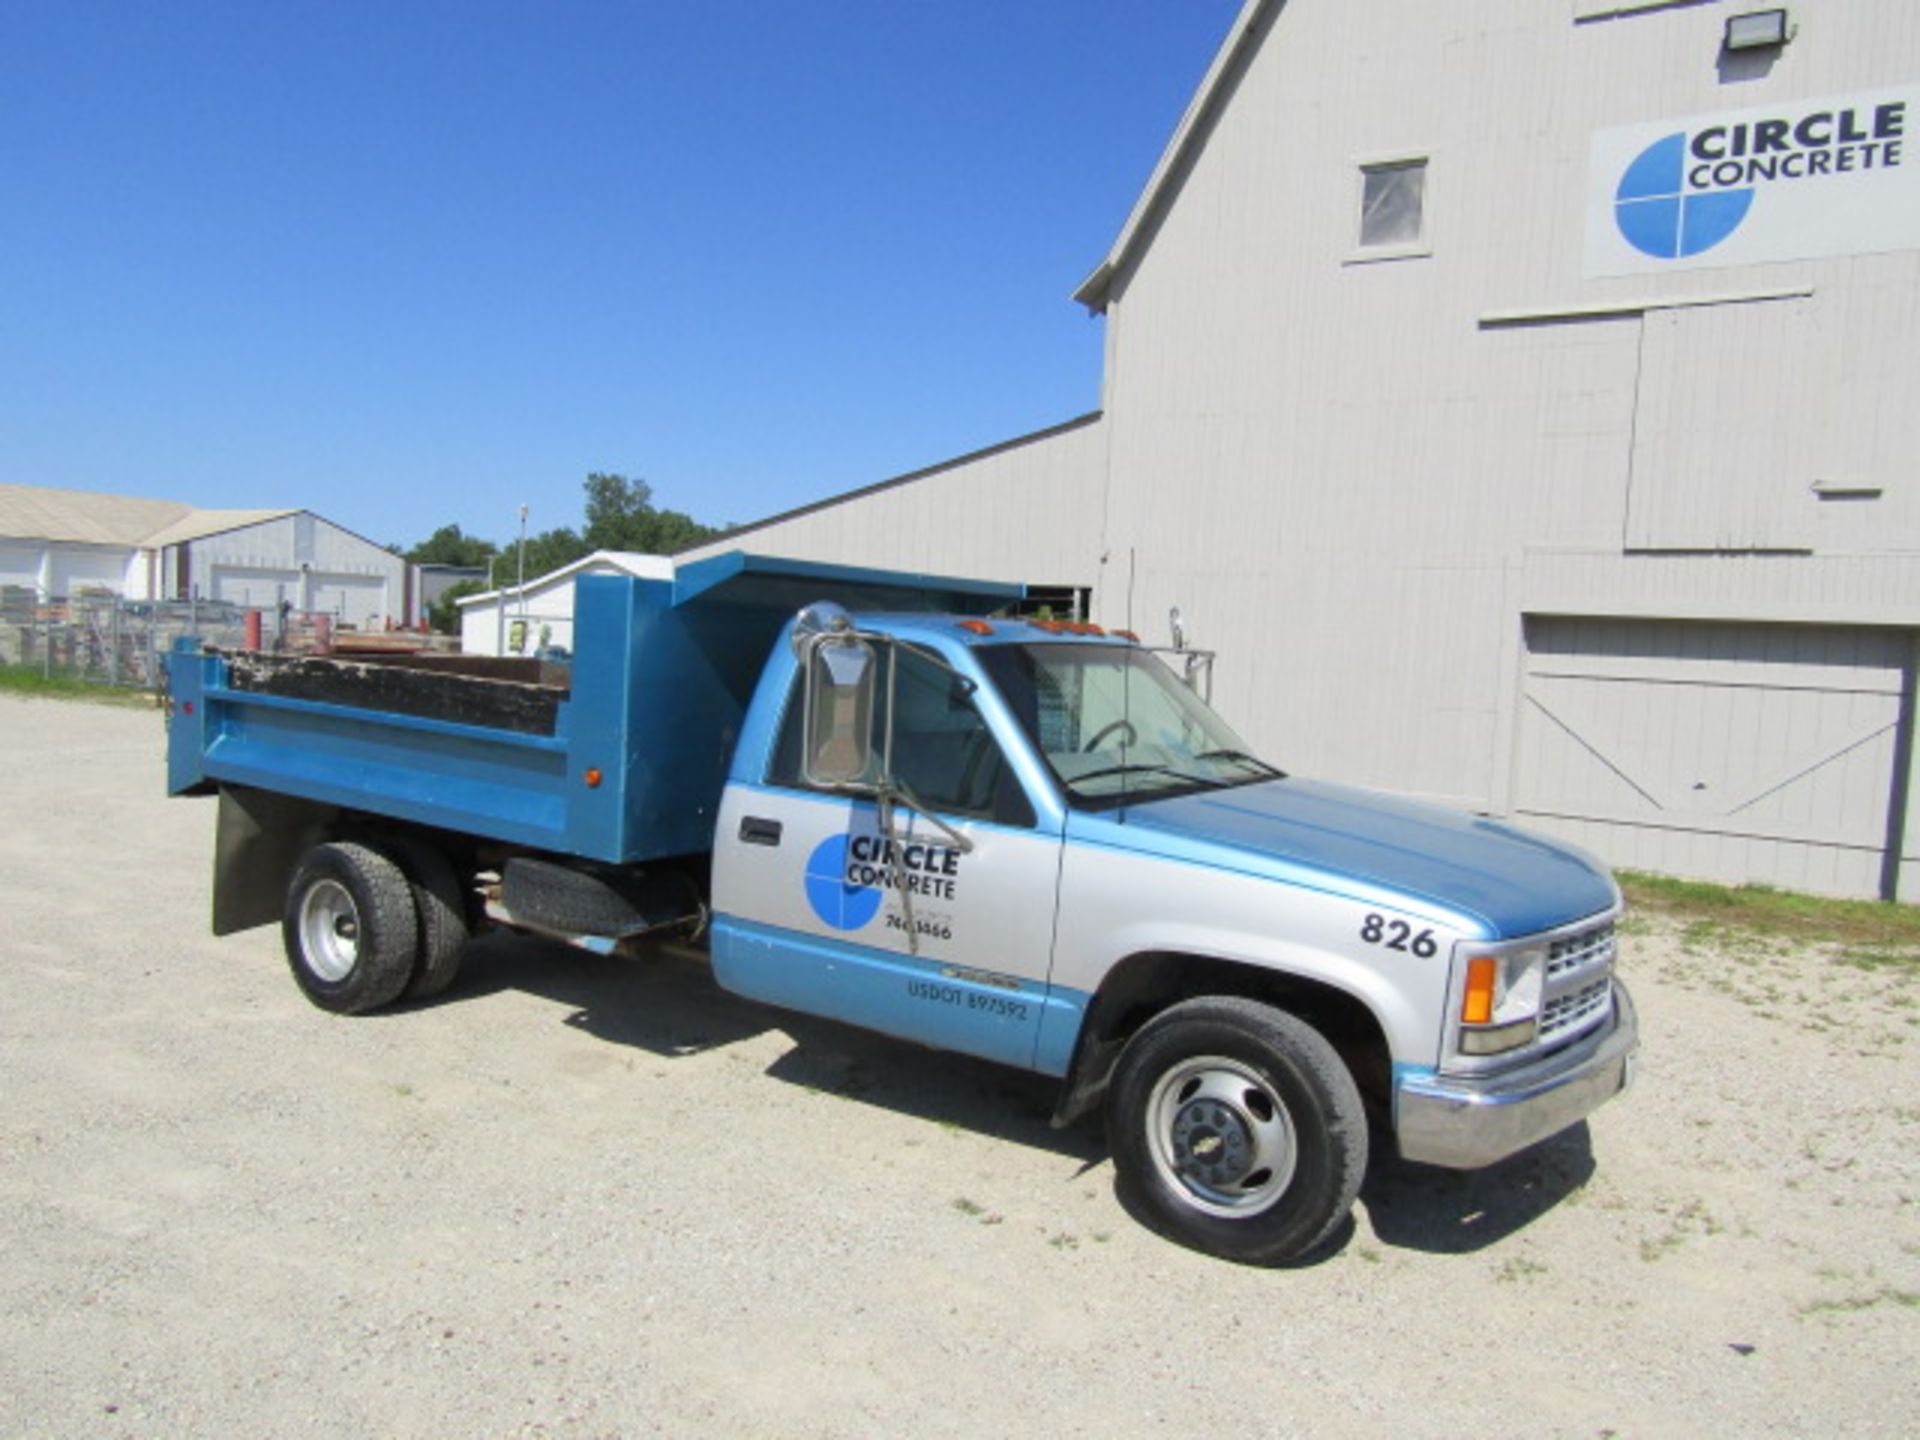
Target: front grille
(1565, 1013)
(1578, 951)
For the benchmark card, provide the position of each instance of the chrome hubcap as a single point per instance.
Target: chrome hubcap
(1221, 1135)
(329, 930)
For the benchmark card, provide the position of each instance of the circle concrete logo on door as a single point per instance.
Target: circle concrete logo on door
(1660, 216)
(835, 899)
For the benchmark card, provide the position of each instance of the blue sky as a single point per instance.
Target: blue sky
(407, 263)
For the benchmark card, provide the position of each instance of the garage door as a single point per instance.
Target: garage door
(359, 600)
(256, 589)
(1733, 752)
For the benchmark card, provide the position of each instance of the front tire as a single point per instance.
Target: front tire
(1236, 1130)
(351, 929)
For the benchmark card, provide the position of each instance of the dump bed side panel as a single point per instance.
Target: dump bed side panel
(476, 779)
(628, 764)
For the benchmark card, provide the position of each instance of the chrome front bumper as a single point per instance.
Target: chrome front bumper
(1464, 1122)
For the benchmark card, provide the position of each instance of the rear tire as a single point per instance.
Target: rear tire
(441, 903)
(351, 929)
(1236, 1130)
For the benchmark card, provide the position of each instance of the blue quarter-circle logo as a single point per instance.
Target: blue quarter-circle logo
(1660, 217)
(838, 903)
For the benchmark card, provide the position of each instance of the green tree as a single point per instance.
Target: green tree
(443, 615)
(547, 551)
(621, 515)
(449, 545)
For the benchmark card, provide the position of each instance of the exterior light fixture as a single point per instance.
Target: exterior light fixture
(1757, 30)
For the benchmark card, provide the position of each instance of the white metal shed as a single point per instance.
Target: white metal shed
(527, 619)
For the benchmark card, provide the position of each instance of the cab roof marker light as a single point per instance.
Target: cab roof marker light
(976, 627)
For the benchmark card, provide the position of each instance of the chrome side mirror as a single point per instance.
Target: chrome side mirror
(1174, 623)
(841, 728)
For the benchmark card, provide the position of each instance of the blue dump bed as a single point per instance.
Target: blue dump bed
(623, 760)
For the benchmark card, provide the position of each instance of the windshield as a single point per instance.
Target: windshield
(1115, 724)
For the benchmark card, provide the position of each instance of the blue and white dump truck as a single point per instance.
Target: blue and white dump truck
(876, 799)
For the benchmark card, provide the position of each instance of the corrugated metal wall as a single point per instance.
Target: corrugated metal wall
(1370, 453)
(1026, 511)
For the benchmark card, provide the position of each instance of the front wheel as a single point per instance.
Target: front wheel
(1236, 1130)
(351, 929)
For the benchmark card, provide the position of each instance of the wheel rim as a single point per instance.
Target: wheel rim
(1221, 1136)
(329, 930)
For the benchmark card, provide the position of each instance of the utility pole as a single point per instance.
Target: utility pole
(499, 610)
(523, 577)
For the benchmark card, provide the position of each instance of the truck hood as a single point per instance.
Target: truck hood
(1375, 848)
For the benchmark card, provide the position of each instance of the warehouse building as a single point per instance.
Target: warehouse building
(1520, 396)
(61, 543)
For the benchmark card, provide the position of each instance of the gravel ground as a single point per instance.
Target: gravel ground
(581, 1197)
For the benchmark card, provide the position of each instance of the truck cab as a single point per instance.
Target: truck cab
(1033, 842)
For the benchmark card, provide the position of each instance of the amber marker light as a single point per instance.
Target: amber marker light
(593, 779)
(1476, 1005)
(976, 627)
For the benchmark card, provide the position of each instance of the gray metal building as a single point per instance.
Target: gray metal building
(59, 543)
(1521, 396)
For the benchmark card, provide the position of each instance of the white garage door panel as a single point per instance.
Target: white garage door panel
(1747, 753)
(259, 589)
(359, 600)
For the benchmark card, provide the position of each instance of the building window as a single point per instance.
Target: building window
(1392, 204)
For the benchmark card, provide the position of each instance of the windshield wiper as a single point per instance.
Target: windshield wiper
(1129, 768)
(1242, 757)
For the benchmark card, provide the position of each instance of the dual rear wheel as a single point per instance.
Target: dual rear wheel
(365, 926)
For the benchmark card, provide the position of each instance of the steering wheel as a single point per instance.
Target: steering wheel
(1133, 736)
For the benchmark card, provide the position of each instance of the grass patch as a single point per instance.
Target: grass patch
(29, 683)
(1709, 912)
(1852, 1304)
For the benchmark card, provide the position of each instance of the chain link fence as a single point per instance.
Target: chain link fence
(104, 639)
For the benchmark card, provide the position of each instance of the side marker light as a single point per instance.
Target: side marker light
(1476, 1005)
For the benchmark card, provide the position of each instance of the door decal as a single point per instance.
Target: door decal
(837, 897)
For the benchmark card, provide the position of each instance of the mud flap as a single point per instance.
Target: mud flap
(261, 837)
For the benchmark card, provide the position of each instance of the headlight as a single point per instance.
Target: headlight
(1500, 1001)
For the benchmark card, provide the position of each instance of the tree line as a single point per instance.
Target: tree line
(620, 515)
